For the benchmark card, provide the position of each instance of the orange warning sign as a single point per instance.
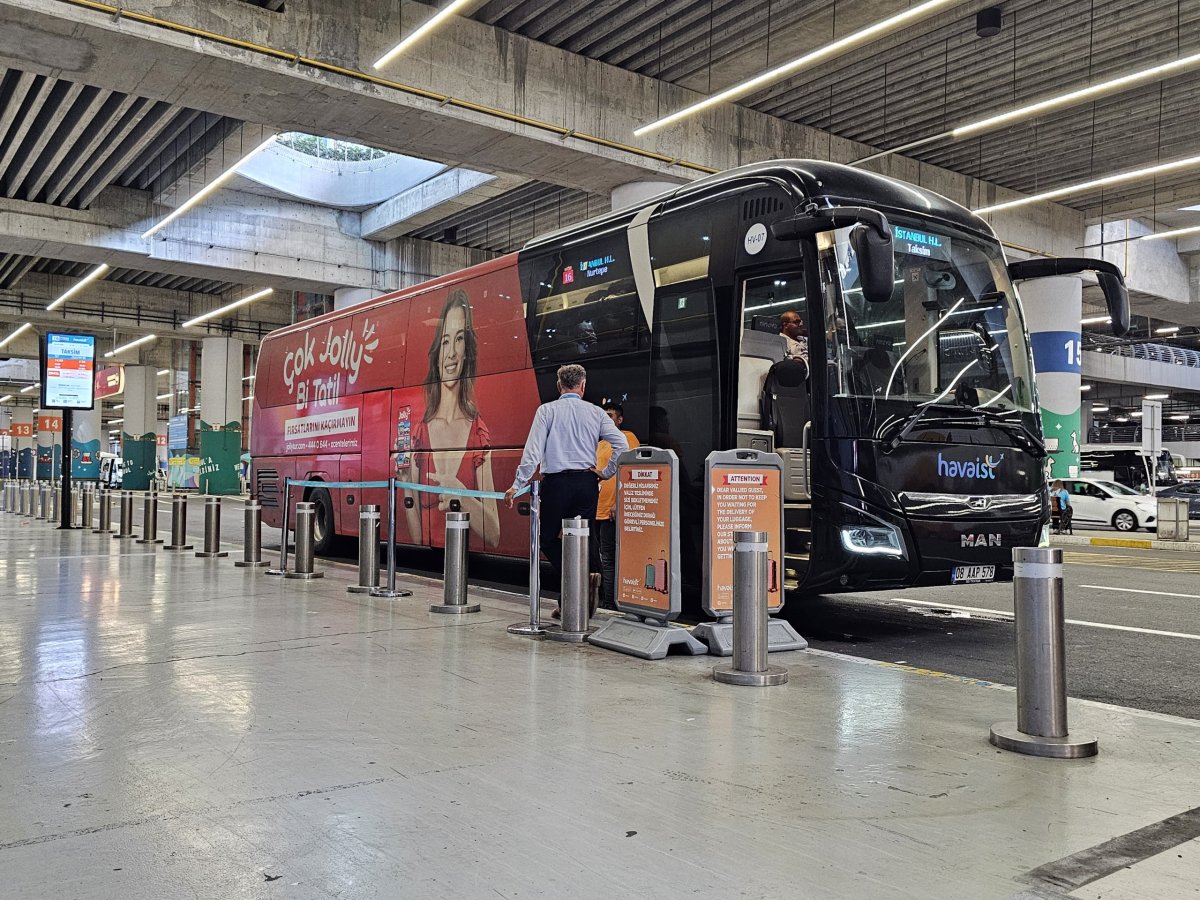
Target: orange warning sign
(743, 499)
(644, 518)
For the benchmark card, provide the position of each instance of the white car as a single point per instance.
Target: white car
(1095, 502)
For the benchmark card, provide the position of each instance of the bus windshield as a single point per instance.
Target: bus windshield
(951, 334)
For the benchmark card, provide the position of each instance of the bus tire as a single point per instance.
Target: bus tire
(324, 527)
(1124, 520)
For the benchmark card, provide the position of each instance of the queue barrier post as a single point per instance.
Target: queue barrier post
(390, 591)
(105, 525)
(41, 507)
(150, 519)
(368, 550)
(282, 568)
(306, 514)
(750, 601)
(454, 572)
(1038, 613)
(534, 627)
(126, 526)
(56, 498)
(87, 501)
(212, 529)
(178, 524)
(574, 595)
(252, 541)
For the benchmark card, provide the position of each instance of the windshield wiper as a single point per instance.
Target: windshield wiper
(1031, 443)
(974, 418)
(916, 417)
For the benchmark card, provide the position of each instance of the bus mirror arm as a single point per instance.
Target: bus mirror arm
(1112, 282)
(872, 243)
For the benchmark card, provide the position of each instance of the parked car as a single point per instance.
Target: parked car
(1185, 490)
(1095, 502)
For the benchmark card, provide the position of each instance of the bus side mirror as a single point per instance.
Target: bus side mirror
(1112, 282)
(871, 240)
(876, 270)
(1116, 296)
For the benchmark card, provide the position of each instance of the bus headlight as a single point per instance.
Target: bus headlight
(872, 536)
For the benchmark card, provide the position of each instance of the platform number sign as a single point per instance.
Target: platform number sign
(1074, 349)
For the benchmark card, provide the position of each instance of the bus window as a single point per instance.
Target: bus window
(597, 320)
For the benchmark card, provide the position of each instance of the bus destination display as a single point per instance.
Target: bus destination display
(70, 361)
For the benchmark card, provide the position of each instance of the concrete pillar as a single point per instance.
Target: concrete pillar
(86, 443)
(8, 462)
(22, 432)
(1053, 308)
(49, 445)
(160, 445)
(350, 296)
(220, 415)
(137, 431)
(635, 192)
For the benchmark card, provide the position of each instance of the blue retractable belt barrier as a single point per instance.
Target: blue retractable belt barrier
(409, 486)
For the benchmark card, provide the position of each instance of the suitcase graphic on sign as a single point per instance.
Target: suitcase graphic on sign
(772, 575)
(650, 574)
(660, 576)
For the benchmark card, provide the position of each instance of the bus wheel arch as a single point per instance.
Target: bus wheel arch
(1124, 520)
(324, 526)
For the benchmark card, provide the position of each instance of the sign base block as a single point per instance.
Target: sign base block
(643, 639)
(719, 637)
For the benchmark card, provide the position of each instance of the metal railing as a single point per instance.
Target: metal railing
(1163, 353)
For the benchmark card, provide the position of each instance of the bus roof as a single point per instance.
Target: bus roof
(810, 180)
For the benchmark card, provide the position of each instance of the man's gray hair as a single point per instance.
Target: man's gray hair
(571, 376)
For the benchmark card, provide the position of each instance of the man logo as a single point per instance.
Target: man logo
(981, 540)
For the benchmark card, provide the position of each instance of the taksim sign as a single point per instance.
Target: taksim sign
(339, 352)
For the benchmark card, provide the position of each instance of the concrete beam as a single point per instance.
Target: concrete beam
(443, 195)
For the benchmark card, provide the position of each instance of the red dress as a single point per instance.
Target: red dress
(479, 442)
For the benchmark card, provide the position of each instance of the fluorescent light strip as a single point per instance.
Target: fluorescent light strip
(228, 307)
(79, 285)
(118, 406)
(1172, 330)
(1120, 178)
(31, 387)
(1157, 397)
(849, 42)
(208, 188)
(433, 22)
(1031, 110)
(248, 378)
(1097, 409)
(1176, 232)
(163, 397)
(1095, 320)
(142, 340)
(6, 398)
(115, 421)
(21, 329)
(247, 399)
(162, 372)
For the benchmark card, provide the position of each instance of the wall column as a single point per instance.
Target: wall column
(1053, 308)
(220, 415)
(49, 444)
(22, 435)
(137, 431)
(86, 443)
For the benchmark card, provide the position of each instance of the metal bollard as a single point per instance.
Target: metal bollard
(534, 627)
(389, 591)
(212, 529)
(178, 524)
(306, 513)
(105, 525)
(454, 572)
(282, 568)
(1041, 726)
(750, 602)
(368, 550)
(574, 596)
(87, 502)
(252, 542)
(150, 519)
(55, 502)
(41, 500)
(29, 507)
(126, 531)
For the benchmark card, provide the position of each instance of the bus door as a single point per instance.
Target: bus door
(774, 401)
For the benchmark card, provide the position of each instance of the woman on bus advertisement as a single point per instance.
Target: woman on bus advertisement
(451, 419)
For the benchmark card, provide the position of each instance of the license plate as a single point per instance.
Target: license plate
(969, 574)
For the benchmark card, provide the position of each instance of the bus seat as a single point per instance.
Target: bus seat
(759, 352)
(786, 402)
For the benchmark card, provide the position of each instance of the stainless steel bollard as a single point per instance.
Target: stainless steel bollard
(55, 502)
(150, 519)
(534, 627)
(29, 506)
(368, 550)
(105, 525)
(454, 571)
(87, 501)
(126, 526)
(1041, 726)
(306, 514)
(178, 524)
(282, 568)
(749, 665)
(252, 541)
(41, 496)
(212, 529)
(574, 597)
(389, 591)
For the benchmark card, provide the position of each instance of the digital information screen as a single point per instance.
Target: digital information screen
(69, 366)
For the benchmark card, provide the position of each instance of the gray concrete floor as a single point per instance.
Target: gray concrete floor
(176, 727)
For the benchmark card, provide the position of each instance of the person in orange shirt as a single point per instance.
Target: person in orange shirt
(606, 505)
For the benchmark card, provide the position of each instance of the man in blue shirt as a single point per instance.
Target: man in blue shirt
(562, 440)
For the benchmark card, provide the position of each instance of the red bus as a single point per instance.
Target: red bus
(913, 426)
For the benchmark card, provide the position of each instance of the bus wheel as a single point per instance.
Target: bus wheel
(1125, 521)
(324, 529)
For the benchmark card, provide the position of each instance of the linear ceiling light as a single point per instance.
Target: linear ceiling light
(228, 307)
(1175, 232)
(209, 188)
(163, 397)
(433, 22)
(31, 387)
(1082, 187)
(6, 398)
(162, 372)
(1031, 110)
(142, 340)
(79, 285)
(1095, 320)
(21, 329)
(841, 45)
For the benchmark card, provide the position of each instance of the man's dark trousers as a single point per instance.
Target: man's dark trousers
(563, 496)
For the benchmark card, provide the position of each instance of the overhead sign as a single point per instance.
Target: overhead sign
(68, 367)
(647, 517)
(744, 492)
(22, 429)
(49, 423)
(177, 432)
(110, 381)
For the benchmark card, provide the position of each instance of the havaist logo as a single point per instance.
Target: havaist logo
(981, 470)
